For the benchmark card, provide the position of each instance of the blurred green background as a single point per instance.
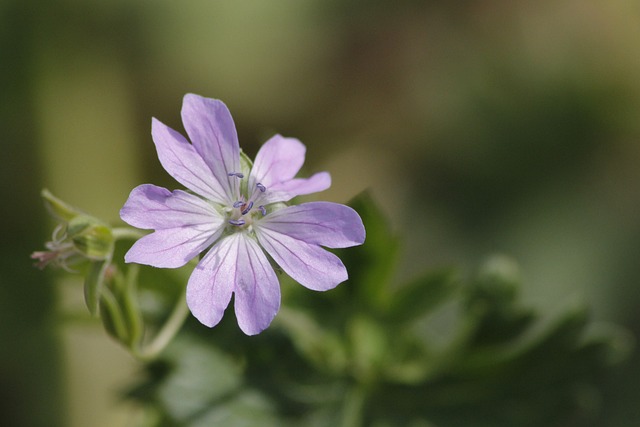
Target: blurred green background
(481, 127)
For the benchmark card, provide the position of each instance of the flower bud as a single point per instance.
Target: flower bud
(90, 237)
(77, 237)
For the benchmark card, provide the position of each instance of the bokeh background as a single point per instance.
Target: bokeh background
(480, 126)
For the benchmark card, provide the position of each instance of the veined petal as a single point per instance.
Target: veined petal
(321, 223)
(278, 160)
(237, 264)
(210, 127)
(172, 247)
(257, 290)
(153, 207)
(285, 191)
(211, 283)
(308, 264)
(181, 160)
(185, 224)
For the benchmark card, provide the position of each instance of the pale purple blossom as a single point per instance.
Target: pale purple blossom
(237, 218)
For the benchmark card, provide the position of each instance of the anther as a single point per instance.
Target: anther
(247, 207)
(263, 210)
(237, 222)
(261, 187)
(236, 174)
(238, 204)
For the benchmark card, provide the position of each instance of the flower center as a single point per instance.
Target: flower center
(243, 212)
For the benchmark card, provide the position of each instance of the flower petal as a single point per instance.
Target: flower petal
(257, 291)
(211, 283)
(308, 264)
(278, 160)
(181, 160)
(210, 127)
(275, 167)
(285, 191)
(236, 264)
(321, 223)
(153, 207)
(172, 247)
(185, 224)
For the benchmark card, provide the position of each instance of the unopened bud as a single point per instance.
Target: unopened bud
(77, 237)
(91, 237)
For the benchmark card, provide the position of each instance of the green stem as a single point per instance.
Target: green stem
(167, 332)
(131, 307)
(120, 233)
(354, 405)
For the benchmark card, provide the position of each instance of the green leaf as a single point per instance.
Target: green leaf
(323, 348)
(498, 282)
(369, 347)
(492, 304)
(248, 408)
(193, 382)
(371, 265)
(422, 295)
(563, 335)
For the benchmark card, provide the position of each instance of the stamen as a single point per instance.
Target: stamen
(261, 187)
(236, 174)
(247, 208)
(263, 210)
(238, 204)
(237, 222)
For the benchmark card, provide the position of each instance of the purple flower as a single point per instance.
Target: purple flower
(238, 212)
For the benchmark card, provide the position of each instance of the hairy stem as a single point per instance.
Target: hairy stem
(167, 332)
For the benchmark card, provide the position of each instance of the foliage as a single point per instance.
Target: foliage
(440, 350)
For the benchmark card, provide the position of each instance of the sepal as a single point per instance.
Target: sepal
(60, 210)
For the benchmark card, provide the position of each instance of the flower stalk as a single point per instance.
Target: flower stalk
(81, 243)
